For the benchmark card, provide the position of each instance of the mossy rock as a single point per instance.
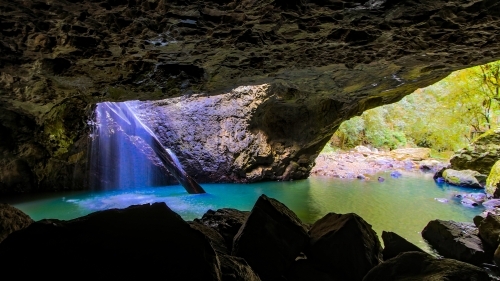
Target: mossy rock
(465, 178)
(493, 180)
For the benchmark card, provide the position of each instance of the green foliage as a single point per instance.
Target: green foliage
(445, 116)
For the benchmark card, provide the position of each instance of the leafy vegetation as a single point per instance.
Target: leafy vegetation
(445, 116)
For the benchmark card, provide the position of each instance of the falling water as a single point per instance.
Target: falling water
(125, 153)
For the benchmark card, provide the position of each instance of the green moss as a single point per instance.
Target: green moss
(493, 178)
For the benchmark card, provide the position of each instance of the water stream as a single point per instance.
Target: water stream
(404, 205)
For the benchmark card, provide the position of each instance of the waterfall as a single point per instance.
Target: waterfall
(122, 148)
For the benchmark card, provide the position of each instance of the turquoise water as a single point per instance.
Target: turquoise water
(403, 205)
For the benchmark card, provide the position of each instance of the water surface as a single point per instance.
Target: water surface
(404, 205)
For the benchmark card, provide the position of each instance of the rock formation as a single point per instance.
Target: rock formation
(481, 155)
(322, 60)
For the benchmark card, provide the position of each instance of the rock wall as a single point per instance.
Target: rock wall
(337, 58)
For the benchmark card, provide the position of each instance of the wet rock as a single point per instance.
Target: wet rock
(116, 243)
(469, 203)
(395, 245)
(225, 221)
(12, 219)
(344, 245)
(456, 240)
(396, 174)
(236, 269)
(489, 230)
(271, 238)
(491, 204)
(422, 266)
(481, 155)
(442, 200)
(304, 270)
(465, 178)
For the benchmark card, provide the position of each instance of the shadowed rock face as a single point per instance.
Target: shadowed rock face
(336, 58)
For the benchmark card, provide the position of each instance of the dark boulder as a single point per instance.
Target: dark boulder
(344, 245)
(271, 238)
(216, 240)
(417, 266)
(236, 269)
(12, 219)
(489, 230)
(456, 240)
(395, 244)
(304, 270)
(142, 240)
(226, 221)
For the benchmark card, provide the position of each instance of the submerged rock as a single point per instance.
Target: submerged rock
(456, 240)
(116, 243)
(271, 238)
(395, 245)
(422, 266)
(344, 245)
(11, 220)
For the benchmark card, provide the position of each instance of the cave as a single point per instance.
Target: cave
(294, 70)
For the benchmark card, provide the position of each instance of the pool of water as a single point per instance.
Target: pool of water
(403, 205)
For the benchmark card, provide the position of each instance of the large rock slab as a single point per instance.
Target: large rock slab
(416, 266)
(271, 238)
(216, 240)
(456, 240)
(344, 245)
(12, 219)
(395, 245)
(465, 178)
(325, 61)
(481, 155)
(226, 222)
(142, 240)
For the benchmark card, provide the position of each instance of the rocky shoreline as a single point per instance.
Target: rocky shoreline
(363, 162)
(268, 243)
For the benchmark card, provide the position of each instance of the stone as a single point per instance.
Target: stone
(60, 58)
(236, 269)
(271, 238)
(12, 219)
(344, 245)
(456, 240)
(492, 204)
(415, 154)
(226, 222)
(481, 155)
(216, 240)
(414, 266)
(395, 244)
(116, 243)
(304, 270)
(465, 178)
(489, 230)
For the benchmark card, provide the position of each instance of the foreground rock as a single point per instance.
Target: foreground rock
(116, 243)
(325, 60)
(456, 240)
(236, 269)
(12, 219)
(226, 222)
(422, 266)
(465, 178)
(395, 245)
(489, 230)
(271, 238)
(345, 246)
